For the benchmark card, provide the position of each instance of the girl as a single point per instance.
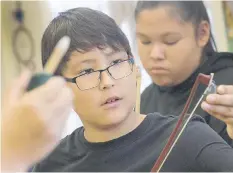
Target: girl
(175, 43)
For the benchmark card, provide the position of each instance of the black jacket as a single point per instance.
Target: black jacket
(171, 100)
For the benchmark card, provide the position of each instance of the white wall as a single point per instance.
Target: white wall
(218, 24)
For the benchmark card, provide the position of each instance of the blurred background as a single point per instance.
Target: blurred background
(19, 50)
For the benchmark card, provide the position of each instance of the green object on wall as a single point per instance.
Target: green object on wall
(230, 45)
(228, 15)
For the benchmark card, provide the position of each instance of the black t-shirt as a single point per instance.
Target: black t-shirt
(198, 149)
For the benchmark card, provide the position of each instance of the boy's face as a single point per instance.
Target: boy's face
(111, 101)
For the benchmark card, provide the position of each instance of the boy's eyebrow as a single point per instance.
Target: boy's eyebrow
(93, 60)
(87, 61)
(107, 52)
(110, 53)
(75, 63)
(114, 53)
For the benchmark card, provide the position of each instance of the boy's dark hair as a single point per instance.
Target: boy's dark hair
(87, 29)
(188, 11)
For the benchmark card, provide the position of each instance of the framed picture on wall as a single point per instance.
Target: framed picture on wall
(228, 15)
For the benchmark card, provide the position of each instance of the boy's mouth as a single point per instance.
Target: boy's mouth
(111, 100)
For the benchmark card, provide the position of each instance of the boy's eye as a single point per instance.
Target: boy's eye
(86, 71)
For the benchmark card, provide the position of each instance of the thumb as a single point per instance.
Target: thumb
(230, 130)
(19, 86)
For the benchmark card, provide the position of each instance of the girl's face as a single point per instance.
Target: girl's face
(169, 48)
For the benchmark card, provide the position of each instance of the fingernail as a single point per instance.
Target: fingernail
(206, 106)
(221, 89)
(211, 98)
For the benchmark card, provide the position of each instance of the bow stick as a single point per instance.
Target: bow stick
(180, 126)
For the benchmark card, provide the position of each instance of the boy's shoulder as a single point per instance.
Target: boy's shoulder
(68, 148)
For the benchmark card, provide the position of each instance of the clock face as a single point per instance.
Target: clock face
(23, 47)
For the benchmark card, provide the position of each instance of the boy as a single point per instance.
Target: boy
(100, 70)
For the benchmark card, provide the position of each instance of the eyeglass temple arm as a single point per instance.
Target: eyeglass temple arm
(202, 78)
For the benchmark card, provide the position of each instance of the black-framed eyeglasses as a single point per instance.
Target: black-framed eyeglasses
(91, 80)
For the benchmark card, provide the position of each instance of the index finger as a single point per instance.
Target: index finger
(17, 88)
(217, 99)
(225, 89)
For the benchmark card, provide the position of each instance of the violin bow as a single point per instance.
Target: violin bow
(185, 118)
